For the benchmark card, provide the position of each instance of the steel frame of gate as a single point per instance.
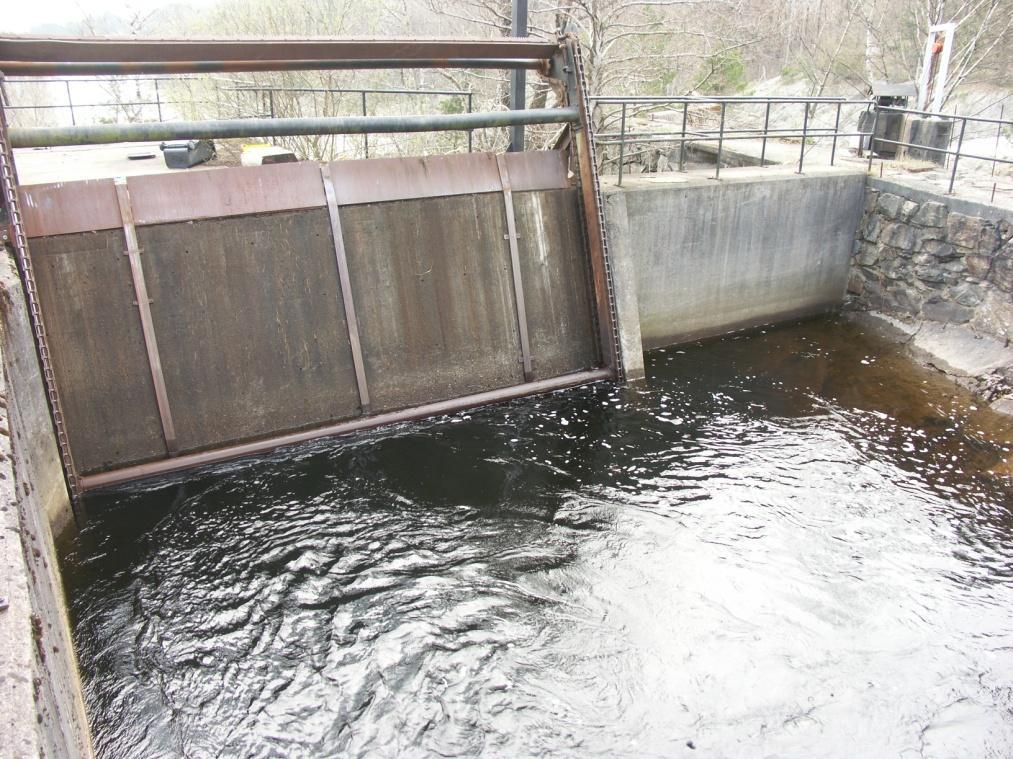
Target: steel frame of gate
(559, 60)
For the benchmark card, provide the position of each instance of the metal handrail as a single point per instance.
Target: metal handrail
(686, 135)
(722, 134)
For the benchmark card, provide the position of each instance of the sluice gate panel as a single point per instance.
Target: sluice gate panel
(196, 311)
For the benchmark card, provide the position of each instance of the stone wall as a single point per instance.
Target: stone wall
(934, 258)
(943, 267)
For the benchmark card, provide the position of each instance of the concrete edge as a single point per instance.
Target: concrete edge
(960, 205)
(979, 363)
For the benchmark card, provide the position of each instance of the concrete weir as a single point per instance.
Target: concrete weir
(708, 257)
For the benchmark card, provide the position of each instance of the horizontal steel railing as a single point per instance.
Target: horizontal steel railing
(684, 135)
(631, 106)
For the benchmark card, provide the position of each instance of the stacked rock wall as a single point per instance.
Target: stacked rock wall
(934, 258)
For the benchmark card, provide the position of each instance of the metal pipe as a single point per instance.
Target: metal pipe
(190, 130)
(837, 125)
(998, 135)
(622, 144)
(766, 127)
(158, 100)
(618, 99)
(519, 28)
(339, 90)
(721, 142)
(70, 103)
(109, 68)
(951, 117)
(191, 460)
(956, 156)
(365, 137)
(682, 144)
(805, 136)
(872, 136)
(471, 134)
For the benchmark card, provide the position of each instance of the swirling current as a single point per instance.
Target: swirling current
(786, 543)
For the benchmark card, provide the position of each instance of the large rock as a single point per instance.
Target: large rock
(899, 235)
(871, 199)
(947, 312)
(931, 214)
(868, 254)
(964, 230)
(939, 250)
(871, 227)
(1001, 274)
(978, 266)
(890, 205)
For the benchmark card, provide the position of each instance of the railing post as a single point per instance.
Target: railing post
(872, 136)
(471, 132)
(622, 145)
(766, 126)
(70, 103)
(682, 144)
(158, 101)
(805, 134)
(956, 157)
(998, 136)
(365, 137)
(837, 128)
(721, 141)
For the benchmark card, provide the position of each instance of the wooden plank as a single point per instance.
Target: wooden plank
(220, 193)
(62, 208)
(143, 304)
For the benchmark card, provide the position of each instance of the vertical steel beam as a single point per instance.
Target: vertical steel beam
(515, 265)
(351, 321)
(8, 185)
(133, 254)
(365, 135)
(519, 24)
(594, 217)
(622, 145)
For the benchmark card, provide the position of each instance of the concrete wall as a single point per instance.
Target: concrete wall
(758, 246)
(41, 708)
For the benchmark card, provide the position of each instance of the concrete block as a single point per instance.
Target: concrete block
(624, 275)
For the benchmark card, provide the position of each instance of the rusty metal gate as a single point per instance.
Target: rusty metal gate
(193, 317)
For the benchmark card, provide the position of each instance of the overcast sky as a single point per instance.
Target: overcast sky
(24, 16)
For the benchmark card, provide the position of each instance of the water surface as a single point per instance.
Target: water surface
(788, 543)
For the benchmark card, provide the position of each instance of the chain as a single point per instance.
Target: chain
(609, 282)
(20, 241)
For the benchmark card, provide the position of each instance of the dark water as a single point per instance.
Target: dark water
(786, 544)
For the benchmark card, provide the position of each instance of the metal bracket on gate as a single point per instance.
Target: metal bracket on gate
(345, 282)
(515, 265)
(143, 303)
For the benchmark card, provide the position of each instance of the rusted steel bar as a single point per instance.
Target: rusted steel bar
(347, 300)
(766, 127)
(9, 187)
(275, 51)
(224, 129)
(115, 68)
(191, 460)
(515, 265)
(837, 126)
(133, 253)
(594, 218)
(956, 156)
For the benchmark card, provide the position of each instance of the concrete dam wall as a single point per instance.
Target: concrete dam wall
(188, 312)
(709, 257)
